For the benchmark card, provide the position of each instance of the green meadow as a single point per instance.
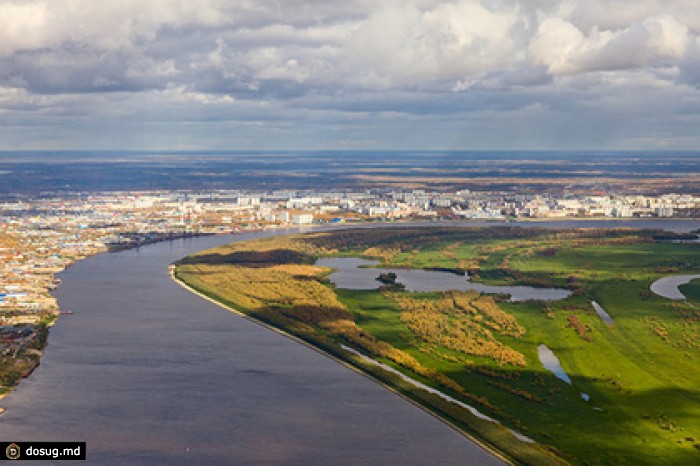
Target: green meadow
(641, 371)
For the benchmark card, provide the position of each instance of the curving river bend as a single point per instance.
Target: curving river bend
(147, 373)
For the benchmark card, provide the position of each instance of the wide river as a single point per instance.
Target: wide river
(147, 373)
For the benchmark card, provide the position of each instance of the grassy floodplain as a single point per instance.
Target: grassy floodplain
(641, 372)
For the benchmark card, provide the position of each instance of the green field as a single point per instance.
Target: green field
(641, 372)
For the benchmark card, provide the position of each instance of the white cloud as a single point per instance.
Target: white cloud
(557, 40)
(399, 44)
(404, 45)
(21, 25)
(183, 95)
(360, 57)
(10, 92)
(620, 14)
(563, 48)
(108, 24)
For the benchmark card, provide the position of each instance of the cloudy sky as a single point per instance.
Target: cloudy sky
(351, 74)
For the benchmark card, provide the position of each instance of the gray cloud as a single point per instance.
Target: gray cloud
(547, 65)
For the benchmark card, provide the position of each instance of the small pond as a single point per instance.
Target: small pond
(356, 274)
(602, 313)
(667, 287)
(550, 361)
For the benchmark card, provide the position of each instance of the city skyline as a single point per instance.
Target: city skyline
(309, 75)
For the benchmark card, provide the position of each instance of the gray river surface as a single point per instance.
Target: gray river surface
(146, 372)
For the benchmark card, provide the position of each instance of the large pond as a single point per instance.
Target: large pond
(667, 287)
(358, 274)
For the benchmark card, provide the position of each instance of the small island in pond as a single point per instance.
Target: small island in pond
(624, 386)
(388, 278)
(389, 282)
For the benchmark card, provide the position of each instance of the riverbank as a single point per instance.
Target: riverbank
(531, 310)
(484, 351)
(139, 240)
(428, 399)
(21, 365)
(217, 387)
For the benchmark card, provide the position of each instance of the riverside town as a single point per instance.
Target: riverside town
(40, 237)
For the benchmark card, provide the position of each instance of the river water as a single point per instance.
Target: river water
(147, 373)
